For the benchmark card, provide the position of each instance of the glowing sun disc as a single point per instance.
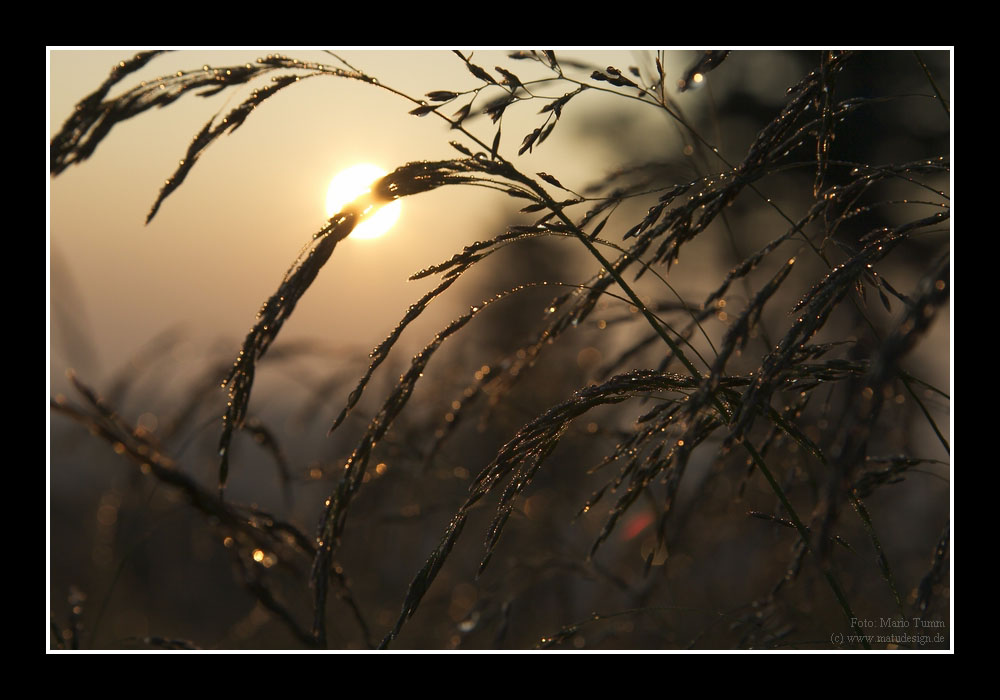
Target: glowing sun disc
(350, 185)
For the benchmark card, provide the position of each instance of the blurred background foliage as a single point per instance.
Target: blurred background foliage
(134, 566)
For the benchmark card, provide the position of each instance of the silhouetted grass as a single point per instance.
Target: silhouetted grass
(788, 383)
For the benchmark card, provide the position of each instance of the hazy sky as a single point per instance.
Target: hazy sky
(221, 243)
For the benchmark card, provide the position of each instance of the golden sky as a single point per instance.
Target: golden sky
(221, 243)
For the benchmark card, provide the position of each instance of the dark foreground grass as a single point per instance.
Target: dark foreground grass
(738, 468)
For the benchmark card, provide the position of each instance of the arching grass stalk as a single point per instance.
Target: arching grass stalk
(840, 215)
(553, 206)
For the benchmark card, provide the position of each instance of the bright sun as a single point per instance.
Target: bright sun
(350, 185)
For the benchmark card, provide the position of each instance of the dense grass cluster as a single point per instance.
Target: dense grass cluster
(737, 463)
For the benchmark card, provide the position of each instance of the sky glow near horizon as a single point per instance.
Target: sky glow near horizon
(221, 243)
